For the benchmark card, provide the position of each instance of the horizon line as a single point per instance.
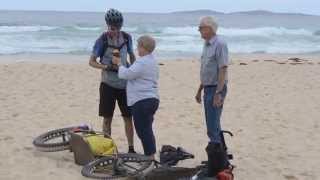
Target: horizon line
(178, 11)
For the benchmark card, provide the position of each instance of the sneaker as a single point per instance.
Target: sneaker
(132, 151)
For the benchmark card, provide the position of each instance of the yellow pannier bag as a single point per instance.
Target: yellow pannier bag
(100, 145)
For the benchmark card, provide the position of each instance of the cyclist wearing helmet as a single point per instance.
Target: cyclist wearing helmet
(112, 43)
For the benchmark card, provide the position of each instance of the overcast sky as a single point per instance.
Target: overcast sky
(296, 6)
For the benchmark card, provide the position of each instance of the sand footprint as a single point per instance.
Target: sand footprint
(6, 138)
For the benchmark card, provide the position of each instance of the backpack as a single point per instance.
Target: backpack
(104, 37)
(218, 159)
(170, 156)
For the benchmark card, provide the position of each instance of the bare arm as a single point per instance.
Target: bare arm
(93, 63)
(198, 95)
(218, 99)
(223, 61)
(132, 58)
(200, 88)
(221, 78)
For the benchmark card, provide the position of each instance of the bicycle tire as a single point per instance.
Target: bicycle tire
(104, 168)
(171, 173)
(42, 144)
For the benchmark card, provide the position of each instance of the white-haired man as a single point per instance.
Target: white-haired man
(213, 76)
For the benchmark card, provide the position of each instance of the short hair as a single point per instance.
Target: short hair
(147, 42)
(210, 22)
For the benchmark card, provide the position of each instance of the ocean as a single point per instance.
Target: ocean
(50, 32)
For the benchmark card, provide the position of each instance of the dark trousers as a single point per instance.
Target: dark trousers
(143, 112)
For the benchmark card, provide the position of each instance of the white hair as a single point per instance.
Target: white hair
(147, 42)
(210, 22)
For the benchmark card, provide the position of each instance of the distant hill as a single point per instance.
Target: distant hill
(201, 11)
(192, 12)
(245, 19)
(255, 12)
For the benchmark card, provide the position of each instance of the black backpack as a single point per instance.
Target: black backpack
(104, 37)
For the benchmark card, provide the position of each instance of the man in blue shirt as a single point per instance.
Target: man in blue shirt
(213, 77)
(112, 88)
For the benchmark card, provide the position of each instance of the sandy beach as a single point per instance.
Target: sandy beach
(272, 107)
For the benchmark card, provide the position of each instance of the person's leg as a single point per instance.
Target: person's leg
(217, 156)
(143, 112)
(106, 125)
(224, 94)
(212, 115)
(129, 130)
(127, 117)
(106, 107)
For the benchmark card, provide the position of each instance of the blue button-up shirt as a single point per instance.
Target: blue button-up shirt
(214, 56)
(142, 78)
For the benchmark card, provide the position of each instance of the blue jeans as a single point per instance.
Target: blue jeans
(143, 112)
(213, 113)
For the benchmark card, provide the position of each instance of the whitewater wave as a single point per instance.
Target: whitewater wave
(17, 29)
(263, 31)
(20, 29)
(184, 40)
(188, 30)
(88, 28)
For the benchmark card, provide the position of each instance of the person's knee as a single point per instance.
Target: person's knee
(144, 134)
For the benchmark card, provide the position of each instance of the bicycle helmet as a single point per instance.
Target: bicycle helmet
(114, 17)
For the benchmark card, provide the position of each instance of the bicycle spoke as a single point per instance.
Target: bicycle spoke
(127, 165)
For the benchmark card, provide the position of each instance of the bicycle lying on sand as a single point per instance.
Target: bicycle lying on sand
(114, 165)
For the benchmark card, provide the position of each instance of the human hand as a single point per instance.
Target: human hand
(198, 97)
(217, 100)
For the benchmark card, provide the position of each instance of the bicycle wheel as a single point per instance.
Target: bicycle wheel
(124, 165)
(55, 140)
(171, 173)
